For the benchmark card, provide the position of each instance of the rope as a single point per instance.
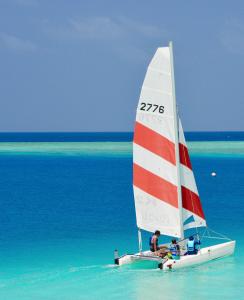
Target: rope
(203, 235)
(222, 235)
(219, 236)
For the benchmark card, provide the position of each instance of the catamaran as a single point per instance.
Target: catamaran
(165, 192)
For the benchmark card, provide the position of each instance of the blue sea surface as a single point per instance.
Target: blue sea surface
(64, 212)
(111, 136)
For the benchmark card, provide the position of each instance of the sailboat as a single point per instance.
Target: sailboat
(165, 192)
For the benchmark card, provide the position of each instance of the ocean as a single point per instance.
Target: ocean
(66, 203)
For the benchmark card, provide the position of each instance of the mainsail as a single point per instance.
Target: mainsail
(158, 165)
(154, 158)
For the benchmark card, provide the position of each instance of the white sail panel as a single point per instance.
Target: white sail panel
(153, 214)
(187, 180)
(155, 173)
(193, 215)
(157, 91)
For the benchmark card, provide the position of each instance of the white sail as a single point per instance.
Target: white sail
(193, 215)
(154, 156)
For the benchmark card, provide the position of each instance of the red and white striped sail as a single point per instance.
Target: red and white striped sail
(155, 174)
(154, 170)
(192, 212)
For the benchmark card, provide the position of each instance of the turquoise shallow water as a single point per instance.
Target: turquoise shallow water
(203, 148)
(66, 206)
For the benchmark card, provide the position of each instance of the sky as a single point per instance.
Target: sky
(79, 65)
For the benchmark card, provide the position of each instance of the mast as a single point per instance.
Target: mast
(176, 127)
(139, 240)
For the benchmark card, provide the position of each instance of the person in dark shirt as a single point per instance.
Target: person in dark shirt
(154, 247)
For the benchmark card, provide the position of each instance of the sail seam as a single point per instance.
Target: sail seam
(159, 71)
(157, 90)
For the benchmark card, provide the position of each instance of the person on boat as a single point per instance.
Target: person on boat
(154, 247)
(174, 249)
(192, 246)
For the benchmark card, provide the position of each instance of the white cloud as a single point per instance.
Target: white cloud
(123, 36)
(15, 43)
(103, 28)
(108, 28)
(100, 28)
(146, 30)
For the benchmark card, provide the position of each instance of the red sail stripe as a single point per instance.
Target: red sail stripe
(184, 156)
(155, 185)
(191, 201)
(154, 142)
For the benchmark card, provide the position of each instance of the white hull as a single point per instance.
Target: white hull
(204, 255)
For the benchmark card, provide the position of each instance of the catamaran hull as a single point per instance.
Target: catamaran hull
(204, 255)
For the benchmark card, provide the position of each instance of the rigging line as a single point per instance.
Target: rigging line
(216, 237)
(208, 231)
(218, 233)
(203, 235)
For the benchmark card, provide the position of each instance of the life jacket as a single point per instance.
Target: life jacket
(174, 249)
(191, 246)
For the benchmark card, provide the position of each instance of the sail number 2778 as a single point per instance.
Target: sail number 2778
(152, 107)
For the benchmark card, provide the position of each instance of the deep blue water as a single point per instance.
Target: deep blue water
(62, 217)
(110, 136)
